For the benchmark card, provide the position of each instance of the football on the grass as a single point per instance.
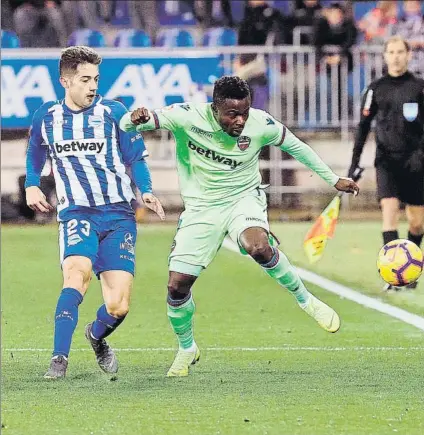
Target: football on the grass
(400, 262)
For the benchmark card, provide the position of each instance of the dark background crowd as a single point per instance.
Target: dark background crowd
(50, 23)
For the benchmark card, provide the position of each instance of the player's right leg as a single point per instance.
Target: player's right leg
(390, 214)
(180, 309)
(76, 279)
(78, 245)
(388, 194)
(198, 239)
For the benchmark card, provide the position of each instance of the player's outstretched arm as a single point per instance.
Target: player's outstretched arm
(306, 155)
(169, 118)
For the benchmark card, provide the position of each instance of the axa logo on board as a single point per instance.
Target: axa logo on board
(146, 84)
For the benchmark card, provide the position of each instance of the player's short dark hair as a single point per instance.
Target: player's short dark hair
(73, 56)
(397, 38)
(230, 88)
(336, 5)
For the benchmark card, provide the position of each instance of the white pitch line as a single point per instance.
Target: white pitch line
(352, 295)
(242, 349)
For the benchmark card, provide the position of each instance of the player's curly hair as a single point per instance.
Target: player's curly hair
(230, 87)
(73, 56)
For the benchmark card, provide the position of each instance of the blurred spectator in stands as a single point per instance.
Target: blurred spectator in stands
(39, 23)
(203, 12)
(261, 25)
(334, 28)
(411, 28)
(144, 16)
(377, 25)
(306, 13)
(6, 16)
(86, 14)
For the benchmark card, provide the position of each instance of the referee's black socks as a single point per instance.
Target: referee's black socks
(388, 236)
(417, 239)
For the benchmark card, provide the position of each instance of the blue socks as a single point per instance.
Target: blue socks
(105, 324)
(66, 319)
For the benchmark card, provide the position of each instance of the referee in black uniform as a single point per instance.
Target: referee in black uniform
(397, 102)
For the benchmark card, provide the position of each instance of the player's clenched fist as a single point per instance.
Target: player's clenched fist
(36, 200)
(140, 116)
(347, 185)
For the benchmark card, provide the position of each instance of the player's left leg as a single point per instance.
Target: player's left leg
(250, 229)
(412, 194)
(116, 289)
(115, 267)
(415, 217)
(255, 242)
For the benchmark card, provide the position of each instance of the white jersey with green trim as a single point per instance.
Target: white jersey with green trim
(214, 167)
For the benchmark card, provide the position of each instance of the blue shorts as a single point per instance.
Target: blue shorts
(105, 234)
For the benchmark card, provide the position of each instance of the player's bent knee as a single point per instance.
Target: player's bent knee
(416, 227)
(77, 273)
(118, 310)
(179, 285)
(261, 251)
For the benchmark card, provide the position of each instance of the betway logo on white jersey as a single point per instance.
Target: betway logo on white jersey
(80, 147)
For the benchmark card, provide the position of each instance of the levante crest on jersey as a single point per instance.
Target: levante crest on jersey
(243, 143)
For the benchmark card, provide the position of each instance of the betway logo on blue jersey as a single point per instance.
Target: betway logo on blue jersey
(80, 147)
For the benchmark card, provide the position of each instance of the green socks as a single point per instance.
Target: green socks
(285, 274)
(181, 319)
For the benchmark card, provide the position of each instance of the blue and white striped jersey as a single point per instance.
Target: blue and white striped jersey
(88, 152)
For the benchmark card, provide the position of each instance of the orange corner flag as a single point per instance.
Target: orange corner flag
(323, 229)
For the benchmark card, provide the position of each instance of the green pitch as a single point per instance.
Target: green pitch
(290, 378)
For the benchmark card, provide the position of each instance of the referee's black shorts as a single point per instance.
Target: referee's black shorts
(394, 181)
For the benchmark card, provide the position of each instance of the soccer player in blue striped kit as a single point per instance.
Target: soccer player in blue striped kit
(97, 228)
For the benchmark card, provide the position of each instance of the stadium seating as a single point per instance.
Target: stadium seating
(175, 13)
(9, 39)
(220, 37)
(91, 38)
(175, 38)
(121, 15)
(132, 38)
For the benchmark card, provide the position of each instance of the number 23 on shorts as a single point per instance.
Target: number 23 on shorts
(76, 237)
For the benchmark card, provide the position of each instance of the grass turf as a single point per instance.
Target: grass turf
(366, 379)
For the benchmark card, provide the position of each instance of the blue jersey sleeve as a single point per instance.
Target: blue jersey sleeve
(37, 151)
(141, 176)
